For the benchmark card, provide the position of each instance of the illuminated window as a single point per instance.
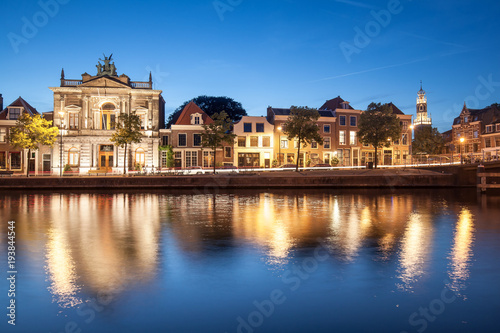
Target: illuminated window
(284, 143)
(108, 117)
(140, 157)
(254, 141)
(3, 160)
(208, 159)
(191, 158)
(352, 138)
(73, 120)
(242, 141)
(266, 141)
(314, 145)
(341, 137)
(3, 134)
(73, 157)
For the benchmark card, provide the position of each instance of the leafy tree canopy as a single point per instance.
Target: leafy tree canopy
(427, 140)
(211, 105)
(128, 130)
(301, 126)
(217, 133)
(30, 132)
(377, 126)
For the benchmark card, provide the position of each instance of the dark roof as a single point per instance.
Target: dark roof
(395, 109)
(20, 102)
(286, 112)
(334, 104)
(488, 115)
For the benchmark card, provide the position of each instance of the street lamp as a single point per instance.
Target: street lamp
(279, 147)
(462, 140)
(61, 126)
(411, 144)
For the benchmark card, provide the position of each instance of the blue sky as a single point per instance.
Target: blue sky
(260, 53)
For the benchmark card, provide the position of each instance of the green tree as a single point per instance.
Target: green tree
(170, 154)
(217, 132)
(301, 126)
(30, 132)
(128, 130)
(377, 125)
(211, 105)
(427, 140)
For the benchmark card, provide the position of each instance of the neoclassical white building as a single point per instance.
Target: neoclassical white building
(85, 110)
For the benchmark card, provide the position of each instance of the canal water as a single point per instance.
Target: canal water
(248, 261)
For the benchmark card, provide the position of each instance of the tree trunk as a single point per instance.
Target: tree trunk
(125, 161)
(215, 154)
(28, 163)
(298, 158)
(376, 159)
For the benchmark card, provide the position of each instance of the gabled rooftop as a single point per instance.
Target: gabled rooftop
(20, 102)
(488, 115)
(335, 103)
(190, 109)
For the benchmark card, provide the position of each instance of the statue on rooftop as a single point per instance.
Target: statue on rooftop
(107, 68)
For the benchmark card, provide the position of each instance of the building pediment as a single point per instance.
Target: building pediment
(104, 82)
(73, 107)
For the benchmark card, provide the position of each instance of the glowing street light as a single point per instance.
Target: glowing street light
(61, 126)
(279, 146)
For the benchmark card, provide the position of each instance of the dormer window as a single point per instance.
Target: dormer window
(196, 119)
(14, 113)
(489, 129)
(466, 119)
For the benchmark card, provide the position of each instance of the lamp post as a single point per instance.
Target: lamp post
(462, 140)
(61, 126)
(411, 145)
(279, 147)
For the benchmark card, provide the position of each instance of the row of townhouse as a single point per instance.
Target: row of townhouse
(261, 143)
(475, 134)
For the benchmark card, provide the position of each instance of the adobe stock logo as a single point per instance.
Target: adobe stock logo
(373, 28)
(225, 6)
(29, 30)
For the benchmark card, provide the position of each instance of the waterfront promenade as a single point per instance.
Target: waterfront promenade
(363, 178)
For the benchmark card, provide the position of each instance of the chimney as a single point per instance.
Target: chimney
(1, 102)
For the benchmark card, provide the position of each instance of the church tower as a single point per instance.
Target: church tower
(422, 118)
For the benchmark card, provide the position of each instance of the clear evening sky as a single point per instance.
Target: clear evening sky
(260, 53)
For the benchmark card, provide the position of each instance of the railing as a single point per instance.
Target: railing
(141, 85)
(70, 83)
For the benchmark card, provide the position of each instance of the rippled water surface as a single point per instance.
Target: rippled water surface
(280, 261)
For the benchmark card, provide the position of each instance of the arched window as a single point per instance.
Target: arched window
(73, 157)
(108, 116)
(140, 157)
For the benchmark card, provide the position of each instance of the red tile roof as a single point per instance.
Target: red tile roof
(192, 108)
(20, 103)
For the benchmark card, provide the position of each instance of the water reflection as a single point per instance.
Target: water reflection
(99, 243)
(415, 249)
(104, 243)
(461, 252)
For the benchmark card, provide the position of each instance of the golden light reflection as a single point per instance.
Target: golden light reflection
(100, 243)
(415, 249)
(61, 269)
(461, 253)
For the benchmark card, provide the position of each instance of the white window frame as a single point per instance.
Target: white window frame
(342, 138)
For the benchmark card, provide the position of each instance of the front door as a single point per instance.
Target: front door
(106, 158)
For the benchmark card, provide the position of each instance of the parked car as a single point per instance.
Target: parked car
(322, 165)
